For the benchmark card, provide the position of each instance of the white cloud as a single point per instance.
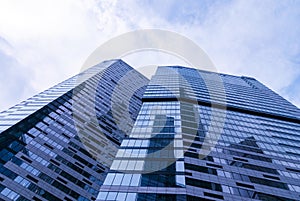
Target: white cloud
(11, 81)
(258, 40)
(51, 39)
(255, 39)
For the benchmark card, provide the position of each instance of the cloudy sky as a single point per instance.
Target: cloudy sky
(45, 42)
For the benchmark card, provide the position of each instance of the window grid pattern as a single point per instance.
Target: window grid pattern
(251, 156)
(45, 155)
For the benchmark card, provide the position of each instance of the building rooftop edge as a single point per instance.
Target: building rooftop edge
(207, 71)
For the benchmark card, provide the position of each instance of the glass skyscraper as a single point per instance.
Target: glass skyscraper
(59, 144)
(111, 134)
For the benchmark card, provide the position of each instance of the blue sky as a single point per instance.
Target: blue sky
(45, 42)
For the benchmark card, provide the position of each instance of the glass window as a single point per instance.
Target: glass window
(121, 196)
(109, 179)
(139, 165)
(179, 166)
(131, 143)
(127, 153)
(118, 179)
(225, 189)
(115, 164)
(135, 153)
(178, 153)
(5, 192)
(126, 179)
(111, 196)
(145, 143)
(135, 180)
(131, 197)
(12, 195)
(124, 143)
(25, 183)
(120, 153)
(143, 153)
(131, 165)
(18, 179)
(180, 180)
(123, 165)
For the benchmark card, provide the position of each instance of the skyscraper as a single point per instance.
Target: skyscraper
(109, 133)
(59, 144)
(208, 136)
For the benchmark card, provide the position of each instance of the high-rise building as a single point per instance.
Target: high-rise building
(59, 144)
(207, 136)
(111, 134)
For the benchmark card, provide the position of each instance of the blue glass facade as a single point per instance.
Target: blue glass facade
(49, 150)
(109, 133)
(206, 136)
